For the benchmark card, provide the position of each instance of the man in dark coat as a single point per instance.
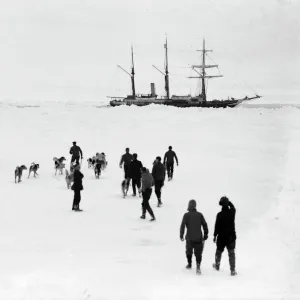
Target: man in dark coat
(126, 159)
(147, 183)
(159, 174)
(169, 162)
(77, 187)
(225, 234)
(193, 221)
(135, 173)
(76, 152)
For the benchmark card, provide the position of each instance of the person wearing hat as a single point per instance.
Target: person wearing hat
(126, 159)
(169, 162)
(159, 174)
(194, 221)
(76, 152)
(77, 187)
(225, 234)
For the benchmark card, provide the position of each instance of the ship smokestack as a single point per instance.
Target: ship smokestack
(153, 92)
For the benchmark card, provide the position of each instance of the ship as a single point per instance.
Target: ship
(178, 100)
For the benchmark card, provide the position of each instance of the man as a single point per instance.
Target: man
(169, 162)
(193, 221)
(135, 173)
(76, 152)
(77, 187)
(225, 234)
(126, 159)
(147, 183)
(159, 174)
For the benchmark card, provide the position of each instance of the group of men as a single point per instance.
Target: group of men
(193, 221)
(143, 180)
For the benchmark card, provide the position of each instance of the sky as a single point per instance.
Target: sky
(69, 50)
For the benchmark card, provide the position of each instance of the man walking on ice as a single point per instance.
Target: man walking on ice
(194, 221)
(169, 162)
(225, 234)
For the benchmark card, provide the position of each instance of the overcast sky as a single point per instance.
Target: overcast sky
(69, 49)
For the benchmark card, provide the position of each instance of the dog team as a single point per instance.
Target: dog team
(19, 171)
(98, 162)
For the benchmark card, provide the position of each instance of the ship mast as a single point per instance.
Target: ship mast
(166, 73)
(202, 74)
(167, 86)
(131, 75)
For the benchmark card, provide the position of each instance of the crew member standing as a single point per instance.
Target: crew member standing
(77, 187)
(76, 152)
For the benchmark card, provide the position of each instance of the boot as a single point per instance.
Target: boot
(218, 257)
(159, 203)
(143, 217)
(77, 208)
(198, 271)
(152, 219)
(189, 259)
(231, 255)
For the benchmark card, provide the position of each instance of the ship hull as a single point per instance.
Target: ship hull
(183, 103)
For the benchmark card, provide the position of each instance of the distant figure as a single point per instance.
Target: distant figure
(147, 183)
(77, 187)
(159, 175)
(225, 234)
(76, 152)
(193, 221)
(126, 159)
(169, 162)
(101, 159)
(135, 173)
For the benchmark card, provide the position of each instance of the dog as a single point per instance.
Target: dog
(91, 162)
(59, 164)
(69, 178)
(19, 172)
(125, 186)
(33, 168)
(97, 168)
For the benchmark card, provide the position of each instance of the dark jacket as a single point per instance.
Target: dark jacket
(126, 159)
(159, 171)
(193, 221)
(147, 181)
(135, 169)
(169, 157)
(225, 222)
(75, 151)
(77, 185)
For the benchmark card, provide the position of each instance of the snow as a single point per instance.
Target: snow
(107, 252)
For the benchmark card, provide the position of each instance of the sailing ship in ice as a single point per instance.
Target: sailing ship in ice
(176, 100)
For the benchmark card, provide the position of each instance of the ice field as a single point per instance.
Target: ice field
(107, 252)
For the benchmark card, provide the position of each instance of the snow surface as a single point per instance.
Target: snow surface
(107, 252)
